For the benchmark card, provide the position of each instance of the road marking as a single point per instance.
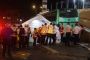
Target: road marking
(85, 46)
(50, 49)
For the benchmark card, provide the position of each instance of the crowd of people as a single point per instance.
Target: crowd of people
(14, 37)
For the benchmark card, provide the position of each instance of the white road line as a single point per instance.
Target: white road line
(85, 46)
(50, 49)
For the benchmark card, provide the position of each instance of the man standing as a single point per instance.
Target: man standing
(21, 37)
(61, 29)
(35, 36)
(55, 28)
(76, 32)
(43, 33)
(27, 34)
(6, 36)
(50, 33)
(68, 34)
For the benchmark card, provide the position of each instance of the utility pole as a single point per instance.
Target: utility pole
(51, 6)
(62, 4)
(67, 4)
(83, 3)
(74, 1)
(57, 19)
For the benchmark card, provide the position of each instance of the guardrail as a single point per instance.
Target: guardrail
(85, 36)
(81, 10)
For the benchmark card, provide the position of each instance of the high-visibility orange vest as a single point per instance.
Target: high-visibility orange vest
(44, 30)
(50, 29)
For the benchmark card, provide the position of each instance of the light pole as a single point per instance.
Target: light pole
(34, 9)
(74, 1)
(83, 3)
(57, 19)
(51, 6)
(67, 4)
(62, 4)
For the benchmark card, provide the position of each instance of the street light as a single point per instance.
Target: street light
(41, 8)
(4, 17)
(20, 20)
(33, 6)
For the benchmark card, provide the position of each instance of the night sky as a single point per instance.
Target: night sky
(19, 8)
(23, 8)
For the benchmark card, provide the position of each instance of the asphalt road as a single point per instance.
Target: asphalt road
(40, 53)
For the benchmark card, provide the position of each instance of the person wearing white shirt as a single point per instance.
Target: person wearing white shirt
(27, 34)
(76, 33)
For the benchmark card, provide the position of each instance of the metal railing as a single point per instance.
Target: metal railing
(85, 36)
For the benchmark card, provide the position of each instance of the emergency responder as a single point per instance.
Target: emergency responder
(68, 34)
(61, 29)
(76, 33)
(43, 33)
(27, 35)
(50, 33)
(35, 37)
(54, 34)
(39, 35)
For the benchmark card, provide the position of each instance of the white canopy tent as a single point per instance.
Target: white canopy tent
(36, 22)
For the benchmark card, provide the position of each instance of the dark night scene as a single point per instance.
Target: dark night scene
(44, 29)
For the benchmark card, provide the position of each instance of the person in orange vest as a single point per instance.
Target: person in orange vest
(50, 33)
(61, 29)
(68, 34)
(35, 37)
(39, 35)
(43, 33)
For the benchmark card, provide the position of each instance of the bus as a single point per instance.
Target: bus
(65, 16)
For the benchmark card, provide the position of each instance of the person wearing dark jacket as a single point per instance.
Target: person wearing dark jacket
(21, 37)
(14, 37)
(7, 39)
(35, 36)
(27, 35)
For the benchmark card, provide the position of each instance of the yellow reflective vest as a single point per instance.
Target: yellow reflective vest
(50, 29)
(44, 30)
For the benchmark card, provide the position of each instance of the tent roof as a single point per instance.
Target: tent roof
(37, 17)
